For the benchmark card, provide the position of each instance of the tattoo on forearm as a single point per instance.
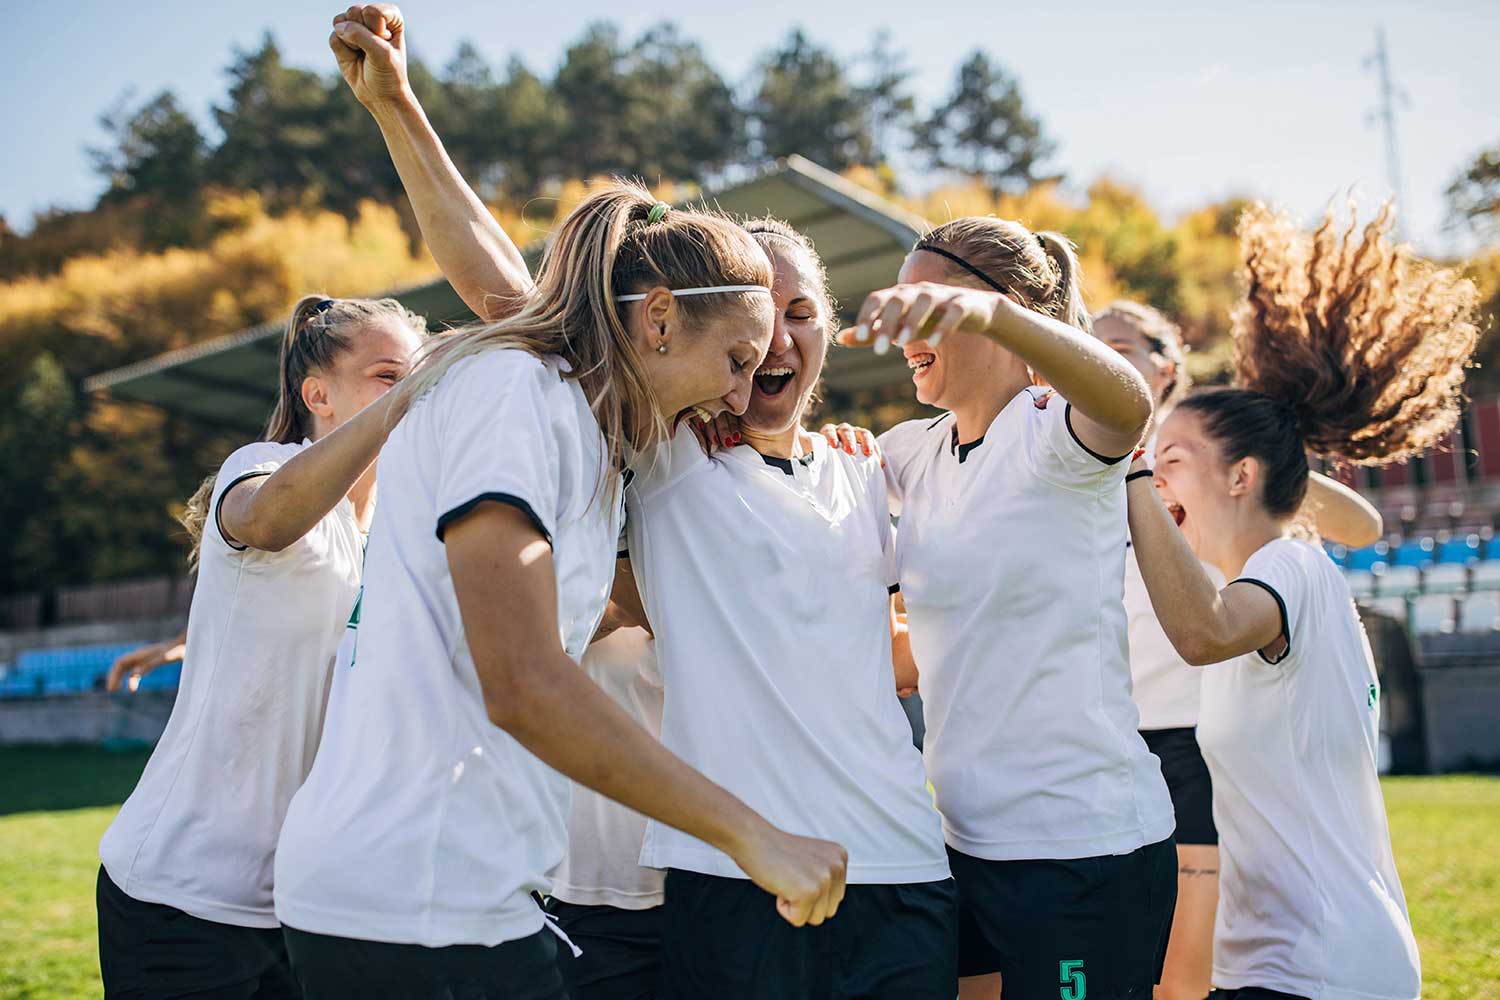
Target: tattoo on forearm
(1188, 871)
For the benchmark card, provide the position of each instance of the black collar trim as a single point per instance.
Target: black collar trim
(962, 450)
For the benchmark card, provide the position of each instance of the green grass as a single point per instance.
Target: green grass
(55, 804)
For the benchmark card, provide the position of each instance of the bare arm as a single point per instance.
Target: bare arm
(907, 675)
(482, 263)
(140, 662)
(271, 512)
(1206, 625)
(1341, 514)
(538, 695)
(1111, 402)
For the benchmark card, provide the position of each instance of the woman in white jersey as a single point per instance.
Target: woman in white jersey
(1345, 347)
(1011, 550)
(437, 804)
(765, 572)
(1165, 688)
(184, 894)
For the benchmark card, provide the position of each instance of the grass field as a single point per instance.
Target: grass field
(55, 803)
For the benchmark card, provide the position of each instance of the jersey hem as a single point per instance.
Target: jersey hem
(579, 896)
(1056, 849)
(214, 911)
(487, 930)
(1315, 989)
(713, 863)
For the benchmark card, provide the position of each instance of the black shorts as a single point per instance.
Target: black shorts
(148, 950)
(1094, 927)
(335, 968)
(622, 953)
(725, 940)
(1252, 993)
(1188, 783)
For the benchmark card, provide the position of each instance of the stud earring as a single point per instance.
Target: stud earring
(661, 348)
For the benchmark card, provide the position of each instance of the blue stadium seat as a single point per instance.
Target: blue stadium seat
(1462, 550)
(1367, 557)
(1415, 552)
(75, 670)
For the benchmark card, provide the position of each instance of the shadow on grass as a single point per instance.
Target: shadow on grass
(44, 778)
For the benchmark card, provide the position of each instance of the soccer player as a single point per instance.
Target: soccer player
(185, 889)
(1164, 686)
(437, 803)
(1010, 552)
(1347, 348)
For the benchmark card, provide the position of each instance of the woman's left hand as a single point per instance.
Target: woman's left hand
(718, 434)
(852, 439)
(925, 311)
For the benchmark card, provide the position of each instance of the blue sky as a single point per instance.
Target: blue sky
(1188, 101)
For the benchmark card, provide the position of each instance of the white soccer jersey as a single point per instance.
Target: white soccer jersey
(768, 593)
(603, 863)
(1164, 685)
(1309, 899)
(422, 822)
(199, 831)
(1011, 556)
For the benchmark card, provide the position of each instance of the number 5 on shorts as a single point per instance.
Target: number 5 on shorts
(1074, 985)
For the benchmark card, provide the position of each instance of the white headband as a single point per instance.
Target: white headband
(710, 290)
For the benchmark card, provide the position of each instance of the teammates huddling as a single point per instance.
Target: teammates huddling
(559, 475)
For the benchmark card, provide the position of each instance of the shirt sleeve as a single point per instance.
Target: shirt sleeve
(1057, 455)
(250, 462)
(501, 421)
(1278, 569)
(900, 446)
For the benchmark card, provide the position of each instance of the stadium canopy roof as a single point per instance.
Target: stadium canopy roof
(230, 381)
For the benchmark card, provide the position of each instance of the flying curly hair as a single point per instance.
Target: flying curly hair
(1345, 345)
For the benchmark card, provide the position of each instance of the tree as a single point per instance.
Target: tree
(591, 89)
(680, 115)
(157, 149)
(158, 162)
(1474, 195)
(276, 124)
(805, 103)
(984, 130)
(890, 107)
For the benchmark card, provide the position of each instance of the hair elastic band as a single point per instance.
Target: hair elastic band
(707, 290)
(976, 272)
(1139, 474)
(657, 213)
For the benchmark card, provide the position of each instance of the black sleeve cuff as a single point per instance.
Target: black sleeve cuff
(518, 503)
(219, 506)
(1068, 419)
(1286, 628)
(623, 554)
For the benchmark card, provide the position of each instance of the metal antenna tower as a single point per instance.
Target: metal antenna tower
(1385, 117)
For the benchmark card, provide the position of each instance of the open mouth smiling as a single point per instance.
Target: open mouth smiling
(772, 380)
(919, 363)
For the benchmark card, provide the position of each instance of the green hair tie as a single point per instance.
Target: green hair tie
(657, 213)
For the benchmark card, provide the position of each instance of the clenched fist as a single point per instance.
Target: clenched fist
(370, 43)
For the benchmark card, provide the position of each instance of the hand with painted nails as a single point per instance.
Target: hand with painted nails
(717, 434)
(926, 311)
(854, 440)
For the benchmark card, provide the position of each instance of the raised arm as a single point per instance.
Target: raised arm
(1205, 624)
(482, 263)
(1111, 402)
(1342, 515)
(534, 692)
(271, 512)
